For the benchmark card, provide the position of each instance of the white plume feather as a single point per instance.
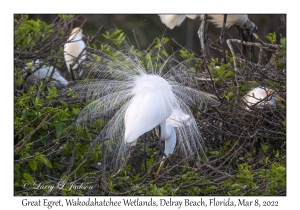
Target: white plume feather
(124, 79)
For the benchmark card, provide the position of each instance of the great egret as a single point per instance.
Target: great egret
(74, 52)
(137, 97)
(49, 73)
(152, 107)
(261, 96)
(246, 27)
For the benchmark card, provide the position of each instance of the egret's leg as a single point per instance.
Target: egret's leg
(242, 38)
(145, 152)
(160, 143)
(248, 49)
(251, 50)
(223, 38)
(206, 42)
(201, 37)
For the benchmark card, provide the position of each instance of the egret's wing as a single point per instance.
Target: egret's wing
(151, 105)
(218, 20)
(178, 118)
(74, 53)
(192, 16)
(172, 20)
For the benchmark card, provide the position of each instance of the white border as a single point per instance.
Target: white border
(8, 8)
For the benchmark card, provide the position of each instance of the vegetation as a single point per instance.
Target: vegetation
(55, 156)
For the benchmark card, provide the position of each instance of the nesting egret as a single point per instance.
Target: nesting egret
(74, 52)
(49, 73)
(245, 26)
(261, 96)
(133, 97)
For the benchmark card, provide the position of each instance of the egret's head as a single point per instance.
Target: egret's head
(246, 31)
(76, 34)
(77, 30)
(249, 28)
(253, 28)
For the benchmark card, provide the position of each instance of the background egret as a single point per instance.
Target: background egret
(48, 73)
(245, 26)
(261, 96)
(74, 52)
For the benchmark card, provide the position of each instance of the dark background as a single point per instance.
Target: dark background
(148, 26)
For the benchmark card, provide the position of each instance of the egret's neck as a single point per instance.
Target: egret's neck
(75, 37)
(168, 135)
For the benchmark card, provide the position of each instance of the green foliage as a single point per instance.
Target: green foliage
(221, 73)
(65, 17)
(117, 37)
(281, 61)
(185, 54)
(42, 122)
(154, 190)
(272, 37)
(28, 177)
(29, 32)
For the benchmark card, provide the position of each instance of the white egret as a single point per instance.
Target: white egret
(74, 52)
(261, 96)
(49, 73)
(152, 107)
(137, 97)
(246, 27)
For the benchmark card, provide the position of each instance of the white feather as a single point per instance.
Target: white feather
(260, 96)
(172, 20)
(137, 99)
(46, 72)
(175, 20)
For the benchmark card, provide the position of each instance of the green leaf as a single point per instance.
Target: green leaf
(229, 74)
(75, 111)
(220, 70)
(48, 163)
(164, 53)
(214, 73)
(44, 160)
(271, 37)
(28, 177)
(284, 122)
(274, 168)
(229, 96)
(277, 154)
(106, 36)
(60, 127)
(226, 65)
(264, 147)
(32, 164)
(116, 32)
